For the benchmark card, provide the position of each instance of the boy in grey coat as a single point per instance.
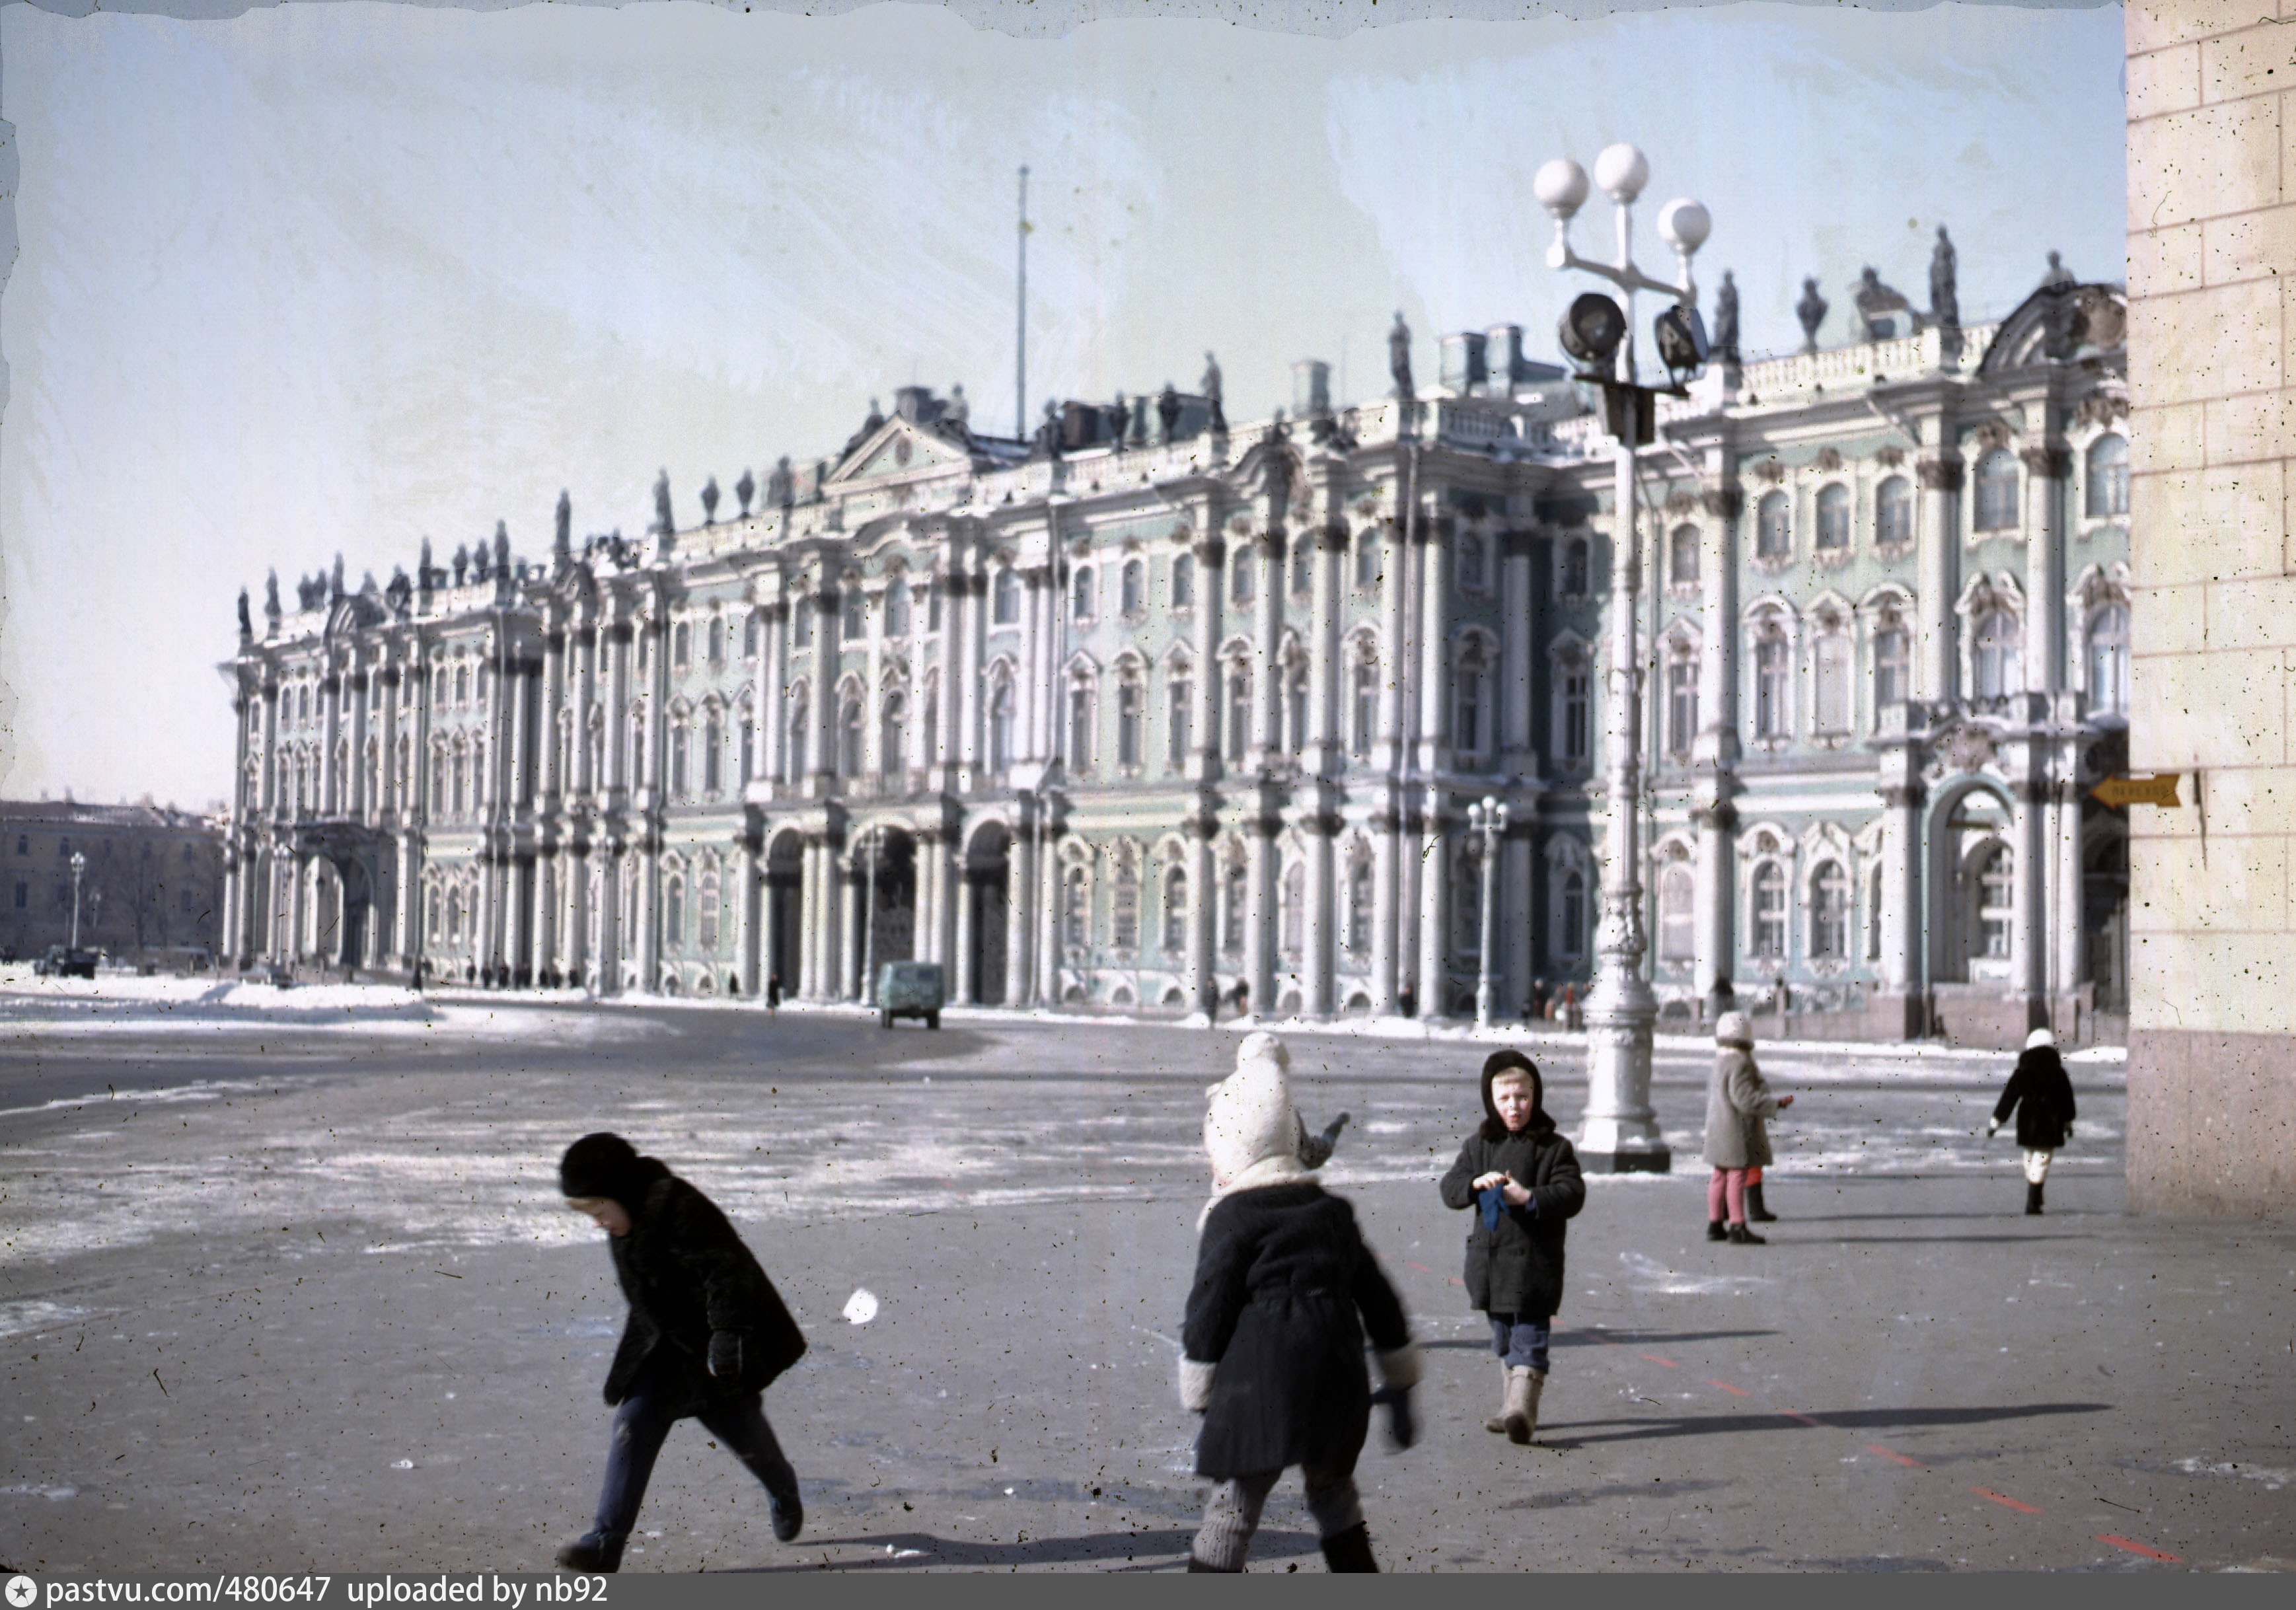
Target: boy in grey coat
(1738, 1106)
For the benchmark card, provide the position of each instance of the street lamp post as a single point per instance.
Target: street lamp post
(1489, 817)
(79, 866)
(1621, 1134)
(869, 923)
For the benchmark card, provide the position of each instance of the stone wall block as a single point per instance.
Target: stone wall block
(2163, 260)
(2248, 246)
(2255, 425)
(2181, 890)
(2166, 439)
(2211, 1122)
(2211, 525)
(2165, 81)
(2151, 25)
(2224, 709)
(2204, 163)
(2259, 59)
(2176, 621)
(2254, 613)
(2213, 342)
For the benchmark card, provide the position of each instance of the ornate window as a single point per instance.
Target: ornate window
(1994, 657)
(1303, 569)
(1829, 912)
(681, 638)
(1893, 512)
(457, 772)
(1832, 518)
(1996, 900)
(1176, 910)
(1134, 587)
(2108, 660)
(931, 734)
(853, 625)
(1467, 898)
(1363, 701)
(1874, 916)
(1295, 705)
(1769, 913)
(1006, 609)
(1772, 709)
(897, 608)
(678, 740)
(1129, 698)
(1892, 661)
(1830, 672)
(1677, 901)
(1184, 582)
(2107, 478)
(750, 636)
(793, 741)
(1293, 920)
(1080, 604)
(1235, 908)
(706, 909)
(1577, 567)
(1080, 723)
(893, 736)
(1124, 909)
(1471, 692)
(1239, 712)
(1076, 910)
(1240, 575)
(1995, 504)
(1474, 566)
(1574, 702)
(1359, 906)
(848, 737)
(1773, 528)
(717, 640)
(1367, 565)
(1681, 701)
(454, 916)
(1179, 718)
(1572, 929)
(713, 751)
(1000, 723)
(1682, 556)
(673, 910)
(749, 723)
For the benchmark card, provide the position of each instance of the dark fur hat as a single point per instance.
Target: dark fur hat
(1510, 1061)
(607, 1166)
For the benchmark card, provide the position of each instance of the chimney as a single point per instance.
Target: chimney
(1311, 388)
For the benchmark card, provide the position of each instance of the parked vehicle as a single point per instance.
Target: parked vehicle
(909, 989)
(278, 976)
(62, 961)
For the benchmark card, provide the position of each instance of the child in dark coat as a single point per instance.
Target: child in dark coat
(1273, 1344)
(1522, 1179)
(706, 1334)
(2041, 1092)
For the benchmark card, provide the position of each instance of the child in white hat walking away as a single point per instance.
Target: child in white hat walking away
(2041, 1093)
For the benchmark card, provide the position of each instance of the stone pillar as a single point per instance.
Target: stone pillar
(957, 691)
(1204, 907)
(2046, 469)
(1385, 932)
(586, 693)
(1315, 928)
(1434, 908)
(1434, 651)
(553, 706)
(611, 915)
(1038, 682)
(1516, 759)
(1388, 753)
(1019, 883)
(747, 947)
(647, 916)
(854, 907)
(357, 791)
(1937, 665)
(1266, 555)
(1517, 919)
(1715, 751)
(968, 917)
(1048, 915)
(2029, 933)
(1204, 694)
(1259, 886)
(810, 898)
(574, 900)
(617, 722)
(2065, 844)
(821, 755)
(1327, 755)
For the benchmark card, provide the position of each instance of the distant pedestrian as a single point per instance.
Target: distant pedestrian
(774, 992)
(1273, 1345)
(1739, 1106)
(1242, 999)
(706, 1334)
(1406, 1001)
(1521, 1178)
(2042, 1093)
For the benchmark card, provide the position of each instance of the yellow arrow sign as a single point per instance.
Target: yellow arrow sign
(2160, 790)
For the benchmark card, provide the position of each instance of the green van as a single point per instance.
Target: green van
(909, 989)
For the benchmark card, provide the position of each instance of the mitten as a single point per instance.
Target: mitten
(1993, 1129)
(1402, 1429)
(725, 1354)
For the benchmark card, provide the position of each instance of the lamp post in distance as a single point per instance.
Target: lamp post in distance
(1489, 817)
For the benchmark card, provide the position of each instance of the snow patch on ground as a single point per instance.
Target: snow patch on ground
(29, 1318)
(1648, 1275)
(2273, 1480)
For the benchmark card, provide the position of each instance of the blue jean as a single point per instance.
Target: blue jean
(1520, 1339)
(640, 1429)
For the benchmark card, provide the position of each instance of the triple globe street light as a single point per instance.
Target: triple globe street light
(1621, 1134)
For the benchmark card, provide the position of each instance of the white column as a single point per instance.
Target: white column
(1935, 663)
(1203, 906)
(1260, 886)
(1385, 933)
(1394, 652)
(2028, 934)
(1435, 651)
(1266, 556)
(2046, 472)
(1515, 660)
(1204, 692)
(1019, 882)
(2065, 841)
(1900, 916)
(1327, 755)
(1434, 908)
(1315, 928)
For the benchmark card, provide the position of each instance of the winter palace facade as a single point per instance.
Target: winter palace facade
(1148, 706)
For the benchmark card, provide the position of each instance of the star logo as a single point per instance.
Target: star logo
(21, 1592)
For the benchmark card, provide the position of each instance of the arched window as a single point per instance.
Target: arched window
(462, 691)
(458, 773)
(717, 640)
(1831, 672)
(1471, 692)
(848, 737)
(673, 910)
(1832, 518)
(677, 746)
(793, 741)
(1474, 569)
(1678, 903)
(1007, 601)
(713, 751)
(1829, 912)
(1076, 910)
(1995, 503)
(1081, 607)
(1682, 556)
(438, 781)
(802, 618)
(1303, 569)
(2108, 660)
(1176, 910)
(1364, 699)
(1359, 906)
(1080, 745)
(1235, 907)
(1129, 697)
(1575, 685)
(932, 722)
(681, 654)
(1293, 918)
(1996, 900)
(750, 636)
(893, 736)
(1179, 718)
(1874, 916)
(1681, 701)
(933, 604)
(706, 912)
(2107, 478)
(1893, 662)
(1893, 512)
(1577, 567)
(430, 915)
(854, 624)
(1134, 587)
(1367, 567)
(1572, 928)
(1773, 527)
(1467, 900)
(1184, 582)
(1239, 712)
(748, 746)
(1769, 913)
(1241, 580)
(1000, 725)
(1772, 710)
(1125, 907)
(454, 916)
(897, 608)
(1295, 706)
(1997, 644)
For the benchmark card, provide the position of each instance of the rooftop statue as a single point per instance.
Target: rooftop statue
(1811, 311)
(1398, 357)
(1944, 306)
(1724, 347)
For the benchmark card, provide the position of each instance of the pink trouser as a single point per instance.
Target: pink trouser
(1727, 1187)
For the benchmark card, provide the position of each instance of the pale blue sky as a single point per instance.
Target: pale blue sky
(331, 277)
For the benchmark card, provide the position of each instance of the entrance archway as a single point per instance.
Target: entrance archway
(1972, 871)
(784, 911)
(987, 874)
(2104, 908)
(884, 860)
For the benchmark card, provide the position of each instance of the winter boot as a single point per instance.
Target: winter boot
(1195, 1565)
(2032, 1200)
(1498, 1422)
(596, 1551)
(1755, 1211)
(1537, 1390)
(788, 1513)
(1350, 1551)
(1520, 1401)
(1716, 1231)
(1740, 1236)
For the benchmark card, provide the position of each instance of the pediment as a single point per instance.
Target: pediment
(899, 447)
